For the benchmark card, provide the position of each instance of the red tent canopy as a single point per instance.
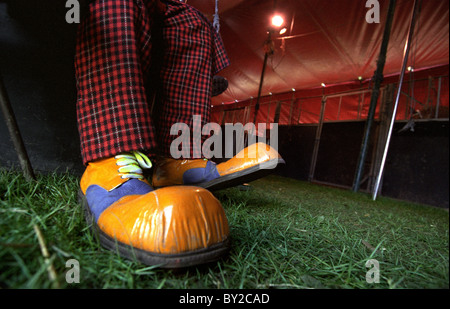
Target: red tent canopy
(326, 42)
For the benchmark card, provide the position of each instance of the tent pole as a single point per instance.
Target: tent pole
(436, 115)
(14, 133)
(312, 168)
(268, 51)
(378, 78)
(399, 90)
(266, 55)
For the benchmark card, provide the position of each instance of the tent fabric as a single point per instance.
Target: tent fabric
(326, 42)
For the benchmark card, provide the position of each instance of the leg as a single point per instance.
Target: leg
(193, 52)
(112, 56)
(173, 227)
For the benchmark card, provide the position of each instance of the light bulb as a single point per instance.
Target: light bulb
(277, 21)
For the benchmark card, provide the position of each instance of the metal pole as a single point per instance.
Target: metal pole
(378, 78)
(268, 50)
(394, 112)
(436, 115)
(266, 55)
(312, 168)
(14, 132)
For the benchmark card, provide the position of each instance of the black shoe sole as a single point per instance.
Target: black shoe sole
(181, 260)
(244, 176)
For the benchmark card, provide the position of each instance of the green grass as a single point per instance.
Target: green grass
(285, 234)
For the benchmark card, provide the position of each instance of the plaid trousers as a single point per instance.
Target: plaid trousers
(131, 53)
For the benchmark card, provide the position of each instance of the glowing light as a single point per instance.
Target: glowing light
(283, 31)
(410, 69)
(323, 85)
(277, 21)
(360, 78)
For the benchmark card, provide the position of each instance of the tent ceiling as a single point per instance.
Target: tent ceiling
(330, 43)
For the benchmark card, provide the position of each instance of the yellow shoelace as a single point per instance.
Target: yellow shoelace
(131, 164)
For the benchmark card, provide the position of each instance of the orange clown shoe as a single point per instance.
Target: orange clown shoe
(251, 163)
(170, 227)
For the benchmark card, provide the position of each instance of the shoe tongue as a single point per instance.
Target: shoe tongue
(103, 173)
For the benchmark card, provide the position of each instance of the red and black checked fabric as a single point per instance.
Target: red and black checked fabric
(115, 56)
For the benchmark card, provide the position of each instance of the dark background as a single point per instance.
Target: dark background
(416, 166)
(36, 63)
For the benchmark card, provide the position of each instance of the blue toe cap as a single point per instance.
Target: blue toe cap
(99, 199)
